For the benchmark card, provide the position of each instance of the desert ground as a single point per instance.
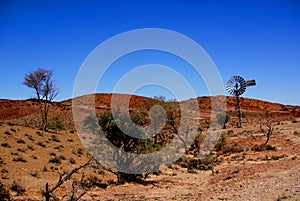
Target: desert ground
(241, 170)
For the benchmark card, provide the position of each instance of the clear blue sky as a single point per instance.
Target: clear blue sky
(254, 39)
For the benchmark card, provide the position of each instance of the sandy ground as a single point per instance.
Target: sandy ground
(250, 175)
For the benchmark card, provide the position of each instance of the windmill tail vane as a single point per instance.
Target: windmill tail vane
(250, 83)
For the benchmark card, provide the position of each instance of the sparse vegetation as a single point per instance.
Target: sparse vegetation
(49, 192)
(7, 133)
(1, 161)
(41, 144)
(61, 157)
(267, 131)
(263, 147)
(232, 151)
(55, 160)
(20, 159)
(72, 160)
(199, 164)
(54, 138)
(18, 188)
(34, 174)
(20, 141)
(39, 133)
(30, 147)
(4, 193)
(222, 119)
(235, 148)
(57, 124)
(221, 141)
(6, 145)
(52, 154)
(45, 169)
(21, 150)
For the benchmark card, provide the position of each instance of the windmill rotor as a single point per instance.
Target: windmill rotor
(236, 85)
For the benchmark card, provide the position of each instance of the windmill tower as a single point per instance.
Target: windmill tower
(236, 86)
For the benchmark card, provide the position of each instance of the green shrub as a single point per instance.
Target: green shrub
(222, 119)
(221, 142)
(57, 124)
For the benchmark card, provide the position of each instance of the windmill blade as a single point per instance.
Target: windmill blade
(236, 85)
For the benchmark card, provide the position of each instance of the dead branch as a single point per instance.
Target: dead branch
(50, 192)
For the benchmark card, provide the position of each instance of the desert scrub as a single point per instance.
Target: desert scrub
(18, 188)
(195, 163)
(6, 145)
(39, 133)
(1, 161)
(21, 150)
(7, 133)
(221, 142)
(20, 141)
(61, 157)
(263, 147)
(55, 160)
(13, 130)
(34, 174)
(235, 148)
(222, 119)
(4, 193)
(57, 124)
(19, 159)
(54, 138)
(41, 144)
(72, 160)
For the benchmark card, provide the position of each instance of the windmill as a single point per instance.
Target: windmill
(236, 86)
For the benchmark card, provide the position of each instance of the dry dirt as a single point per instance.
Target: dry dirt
(27, 153)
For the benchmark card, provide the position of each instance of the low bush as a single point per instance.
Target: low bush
(21, 150)
(41, 144)
(19, 159)
(72, 160)
(57, 124)
(7, 133)
(20, 141)
(235, 148)
(6, 145)
(61, 157)
(196, 163)
(1, 161)
(221, 142)
(4, 193)
(54, 138)
(18, 188)
(264, 147)
(55, 160)
(13, 130)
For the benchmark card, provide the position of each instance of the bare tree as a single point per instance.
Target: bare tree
(45, 88)
(268, 130)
